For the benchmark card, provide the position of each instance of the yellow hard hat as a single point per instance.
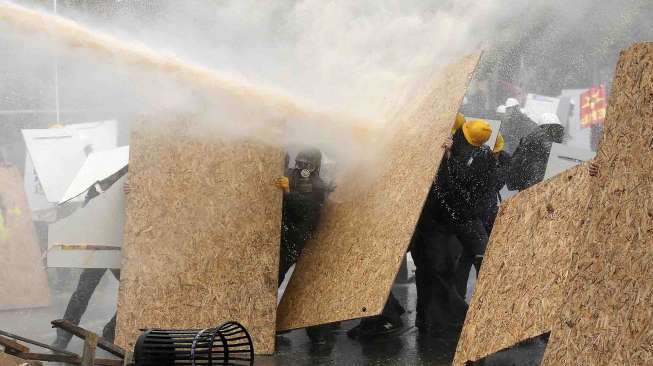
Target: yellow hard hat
(477, 132)
(57, 125)
(458, 123)
(498, 145)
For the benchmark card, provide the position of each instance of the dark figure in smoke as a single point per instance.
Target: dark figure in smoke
(515, 125)
(304, 196)
(529, 161)
(440, 307)
(303, 199)
(466, 176)
(88, 280)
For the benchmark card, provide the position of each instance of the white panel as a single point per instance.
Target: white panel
(564, 157)
(57, 154)
(34, 191)
(536, 105)
(579, 137)
(100, 222)
(98, 166)
(101, 135)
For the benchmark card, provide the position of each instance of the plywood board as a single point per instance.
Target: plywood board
(202, 233)
(347, 270)
(607, 318)
(24, 282)
(526, 268)
(9, 360)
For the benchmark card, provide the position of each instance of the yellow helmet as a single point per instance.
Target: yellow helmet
(498, 145)
(477, 132)
(458, 123)
(57, 125)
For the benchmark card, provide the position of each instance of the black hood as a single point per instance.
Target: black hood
(461, 148)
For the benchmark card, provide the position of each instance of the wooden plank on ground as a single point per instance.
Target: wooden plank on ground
(82, 333)
(202, 233)
(24, 281)
(525, 272)
(88, 353)
(12, 346)
(607, 317)
(347, 270)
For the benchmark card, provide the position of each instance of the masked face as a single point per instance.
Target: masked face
(304, 166)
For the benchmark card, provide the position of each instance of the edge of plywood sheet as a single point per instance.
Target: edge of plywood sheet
(24, 280)
(526, 268)
(100, 222)
(347, 269)
(202, 233)
(607, 318)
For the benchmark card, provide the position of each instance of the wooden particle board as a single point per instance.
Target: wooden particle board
(202, 233)
(347, 269)
(24, 281)
(526, 268)
(607, 317)
(9, 360)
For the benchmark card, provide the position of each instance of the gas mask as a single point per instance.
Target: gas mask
(306, 168)
(304, 181)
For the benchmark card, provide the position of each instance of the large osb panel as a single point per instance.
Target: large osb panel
(526, 267)
(24, 281)
(347, 270)
(202, 234)
(607, 318)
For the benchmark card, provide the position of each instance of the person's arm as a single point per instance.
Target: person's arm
(283, 183)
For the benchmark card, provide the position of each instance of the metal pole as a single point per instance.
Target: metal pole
(56, 73)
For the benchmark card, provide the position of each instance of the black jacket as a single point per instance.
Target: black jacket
(302, 207)
(502, 166)
(514, 126)
(464, 180)
(529, 161)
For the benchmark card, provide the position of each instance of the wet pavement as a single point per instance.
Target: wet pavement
(407, 347)
(35, 323)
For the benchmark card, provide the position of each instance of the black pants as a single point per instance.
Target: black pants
(393, 310)
(88, 281)
(473, 238)
(489, 217)
(439, 304)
